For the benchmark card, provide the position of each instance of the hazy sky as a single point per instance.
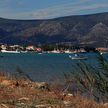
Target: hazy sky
(45, 9)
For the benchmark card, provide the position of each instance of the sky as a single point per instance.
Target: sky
(47, 9)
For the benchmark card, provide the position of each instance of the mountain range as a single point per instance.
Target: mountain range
(79, 29)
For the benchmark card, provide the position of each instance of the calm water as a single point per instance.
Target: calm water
(42, 67)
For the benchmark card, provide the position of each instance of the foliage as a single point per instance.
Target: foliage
(33, 103)
(91, 80)
(3, 86)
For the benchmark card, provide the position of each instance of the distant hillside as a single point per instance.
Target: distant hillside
(84, 29)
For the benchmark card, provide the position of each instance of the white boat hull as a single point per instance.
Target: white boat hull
(78, 57)
(5, 51)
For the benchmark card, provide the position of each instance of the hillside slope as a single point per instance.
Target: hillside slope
(92, 29)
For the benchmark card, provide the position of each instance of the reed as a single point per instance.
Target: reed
(91, 80)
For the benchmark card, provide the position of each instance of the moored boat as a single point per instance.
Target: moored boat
(103, 53)
(6, 51)
(78, 57)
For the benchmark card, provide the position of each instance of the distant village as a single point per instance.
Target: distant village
(45, 49)
(19, 48)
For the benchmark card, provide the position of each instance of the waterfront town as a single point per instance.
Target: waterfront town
(43, 49)
(48, 49)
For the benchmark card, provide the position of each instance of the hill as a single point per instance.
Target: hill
(84, 29)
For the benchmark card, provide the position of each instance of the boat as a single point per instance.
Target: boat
(69, 52)
(101, 53)
(6, 51)
(55, 51)
(78, 57)
(24, 51)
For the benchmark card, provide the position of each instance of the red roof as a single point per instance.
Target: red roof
(38, 48)
(29, 46)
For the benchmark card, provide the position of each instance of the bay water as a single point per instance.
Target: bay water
(42, 67)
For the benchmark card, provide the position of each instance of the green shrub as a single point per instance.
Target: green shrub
(3, 86)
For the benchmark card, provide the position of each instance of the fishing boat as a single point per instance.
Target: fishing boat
(78, 57)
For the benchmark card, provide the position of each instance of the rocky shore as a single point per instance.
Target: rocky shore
(20, 93)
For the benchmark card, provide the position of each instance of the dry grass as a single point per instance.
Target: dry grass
(17, 91)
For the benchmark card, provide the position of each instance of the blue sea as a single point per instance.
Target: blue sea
(42, 67)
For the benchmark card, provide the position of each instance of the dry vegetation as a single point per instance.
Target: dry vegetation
(20, 93)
